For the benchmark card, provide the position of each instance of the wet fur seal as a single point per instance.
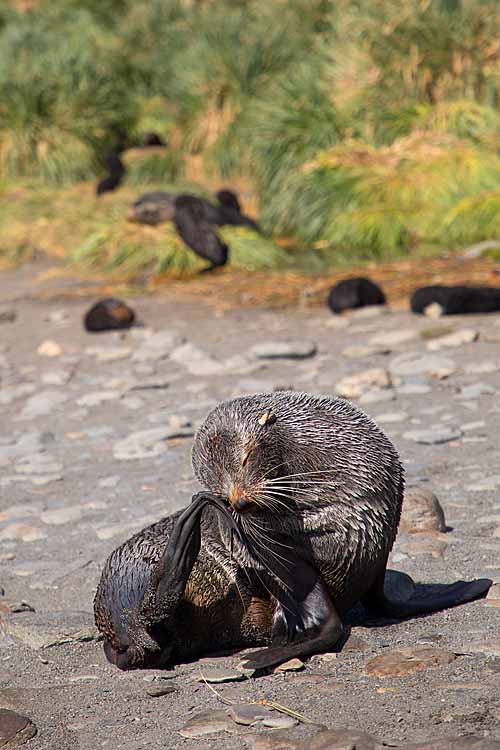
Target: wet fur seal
(300, 509)
(456, 300)
(349, 294)
(108, 314)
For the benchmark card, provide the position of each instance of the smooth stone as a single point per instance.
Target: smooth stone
(38, 463)
(469, 426)
(358, 351)
(249, 713)
(482, 368)
(413, 389)
(475, 390)
(421, 511)
(60, 516)
(196, 361)
(207, 722)
(15, 729)
(278, 739)
(377, 396)
(412, 364)
(26, 444)
(42, 404)
(435, 331)
(56, 377)
(49, 348)
(391, 417)
(97, 398)
(284, 349)
(47, 629)
(292, 665)
(432, 437)
(221, 675)
(457, 338)
(354, 643)
(7, 315)
(494, 592)
(280, 722)
(403, 661)
(391, 339)
(111, 481)
(157, 346)
(429, 543)
(8, 394)
(132, 403)
(341, 739)
(157, 691)
(21, 532)
(150, 443)
(113, 354)
(454, 743)
(353, 386)
(115, 529)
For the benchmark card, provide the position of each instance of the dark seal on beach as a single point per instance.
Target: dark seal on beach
(302, 504)
(456, 300)
(108, 314)
(350, 294)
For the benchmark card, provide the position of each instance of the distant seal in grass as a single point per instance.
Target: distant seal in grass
(456, 300)
(301, 506)
(116, 173)
(350, 294)
(153, 208)
(108, 314)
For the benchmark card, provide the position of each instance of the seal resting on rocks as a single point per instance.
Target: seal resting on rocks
(314, 489)
(350, 294)
(108, 314)
(456, 300)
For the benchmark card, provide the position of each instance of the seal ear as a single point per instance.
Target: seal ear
(267, 419)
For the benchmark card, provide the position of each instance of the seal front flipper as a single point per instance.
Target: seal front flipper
(305, 621)
(440, 596)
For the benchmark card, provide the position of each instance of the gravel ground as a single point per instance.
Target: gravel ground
(95, 440)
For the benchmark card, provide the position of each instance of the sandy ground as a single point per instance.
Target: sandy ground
(69, 497)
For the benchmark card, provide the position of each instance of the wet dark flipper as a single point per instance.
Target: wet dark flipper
(305, 621)
(438, 597)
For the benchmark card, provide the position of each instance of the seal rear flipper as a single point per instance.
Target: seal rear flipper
(301, 628)
(442, 596)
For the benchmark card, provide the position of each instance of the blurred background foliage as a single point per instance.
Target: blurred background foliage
(368, 129)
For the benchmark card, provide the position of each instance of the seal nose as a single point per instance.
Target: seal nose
(241, 504)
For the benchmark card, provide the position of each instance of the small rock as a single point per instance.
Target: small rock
(56, 377)
(221, 675)
(435, 331)
(454, 743)
(157, 346)
(353, 386)
(49, 348)
(111, 354)
(21, 532)
(281, 721)
(278, 739)
(341, 739)
(47, 629)
(413, 389)
(60, 516)
(475, 390)
(96, 398)
(15, 729)
(486, 484)
(431, 543)
(284, 350)
(400, 662)
(207, 722)
(293, 665)
(391, 417)
(391, 339)
(421, 511)
(156, 691)
(249, 713)
(112, 481)
(355, 644)
(150, 443)
(357, 351)
(196, 361)
(457, 338)
(433, 437)
(434, 311)
(412, 364)
(482, 368)
(42, 404)
(377, 396)
(7, 315)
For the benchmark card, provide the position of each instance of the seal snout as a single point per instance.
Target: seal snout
(239, 499)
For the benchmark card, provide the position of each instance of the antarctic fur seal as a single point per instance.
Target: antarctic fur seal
(116, 173)
(456, 300)
(108, 315)
(306, 497)
(350, 294)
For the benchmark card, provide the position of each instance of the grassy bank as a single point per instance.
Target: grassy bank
(362, 131)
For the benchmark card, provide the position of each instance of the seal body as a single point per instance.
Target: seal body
(108, 315)
(350, 294)
(322, 478)
(456, 300)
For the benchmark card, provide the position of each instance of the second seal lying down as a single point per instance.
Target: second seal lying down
(302, 503)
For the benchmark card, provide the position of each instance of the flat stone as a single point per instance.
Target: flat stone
(457, 338)
(421, 511)
(157, 691)
(292, 665)
(484, 367)
(392, 417)
(341, 739)
(486, 484)
(355, 644)
(435, 331)
(284, 349)
(97, 397)
(49, 348)
(111, 481)
(281, 721)
(15, 729)
(207, 722)
(432, 437)
(469, 426)
(221, 675)
(157, 346)
(196, 361)
(377, 396)
(278, 739)
(56, 377)
(475, 390)
(38, 463)
(353, 386)
(21, 532)
(120, 529)
(400, 662)
(392, 339)
(111, 354)
(150, 443)
(434, 311)
(7, 315)
(429, 543)
(47, 629)
(42, 404)
(249, 714)
(413, 389)
(60, 516)
(358, 351)
(454, 743)
(412, 364)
